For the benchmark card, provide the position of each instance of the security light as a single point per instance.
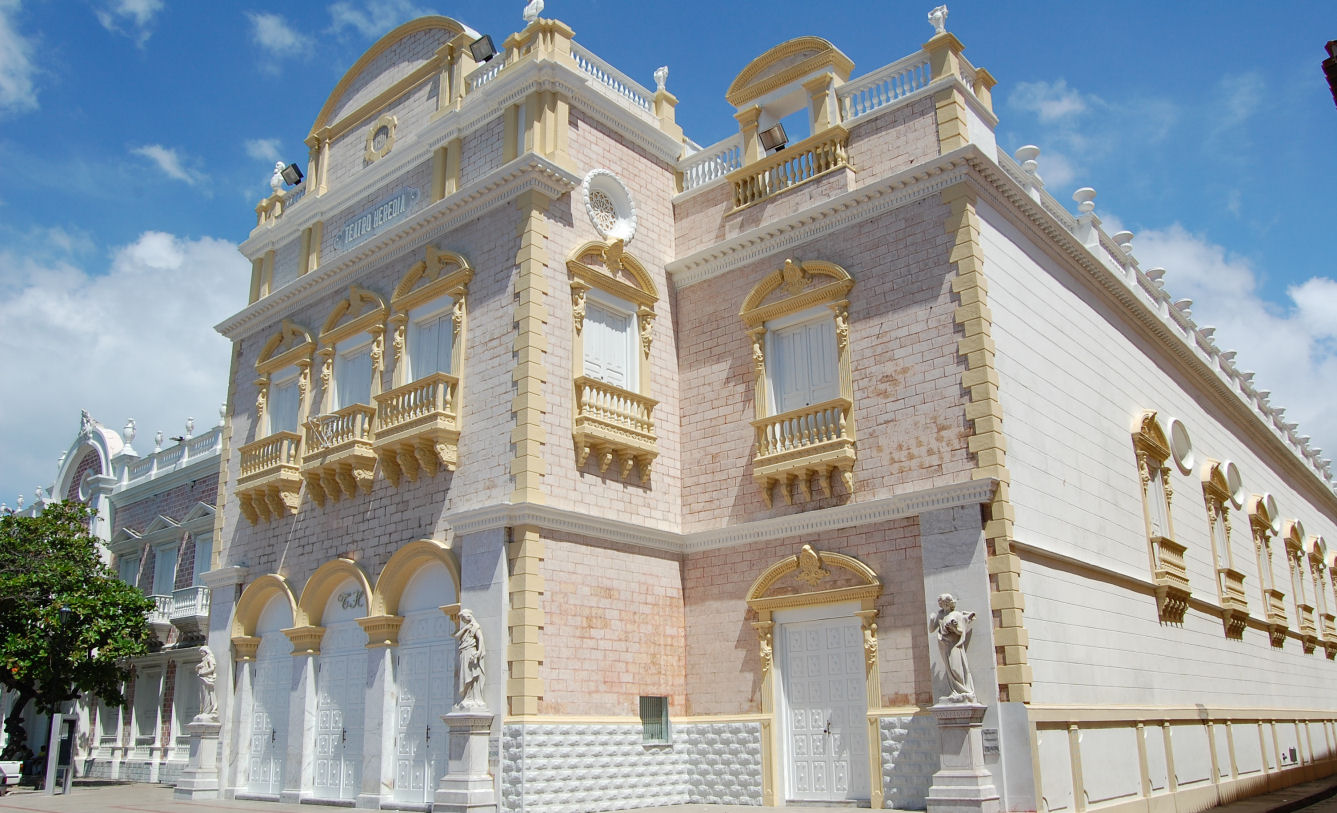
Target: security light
(292, 175)
(482, 49)
(774, 138)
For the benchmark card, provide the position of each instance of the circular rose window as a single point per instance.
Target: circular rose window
(609, 206)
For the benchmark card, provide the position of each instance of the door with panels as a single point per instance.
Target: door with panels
(271, 686)
(824, 698)
(341, 680)
(425, 677)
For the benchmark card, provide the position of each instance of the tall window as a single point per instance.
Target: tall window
(804, 363)
(204, 550)
(610, 342)
(431, 339)
(284, 401)
(283, 366)
(1169, 571)
(350, 343)
(164, 570)
(352, 375)
(128, 569)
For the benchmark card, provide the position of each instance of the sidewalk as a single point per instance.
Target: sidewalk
(143, 798)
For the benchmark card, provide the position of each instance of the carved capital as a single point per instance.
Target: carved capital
(578, 291)
(646, 320)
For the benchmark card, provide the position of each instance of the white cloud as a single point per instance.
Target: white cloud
(1050, 101)
(373, 19)
(136, 15)
(277, 38)
(133, 338)
(263, 149)
(167, 160)
(17, 93)
(1290, 347)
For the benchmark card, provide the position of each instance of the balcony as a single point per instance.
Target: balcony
(270, 478)
(810, 158)
(1171, 579)
(795, 445)
(160, 617)
(1234, 605)
(1308, 629)
(418, 427)
(614, 424)
(1330, 635)
(1276, 616)
(190, 611)
(339, 461)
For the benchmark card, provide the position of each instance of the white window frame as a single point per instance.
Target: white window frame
(811, 316)
(159, 552)
(280, 379)
(631, 335)
(343, 351)
(441, 308)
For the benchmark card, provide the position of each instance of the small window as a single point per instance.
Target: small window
(431, 340)
(283, 403)
(352, 376)
(204, 551)
(654, 719)
(128, 569)
(164, 571)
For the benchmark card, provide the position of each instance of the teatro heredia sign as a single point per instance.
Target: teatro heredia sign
(377, 218)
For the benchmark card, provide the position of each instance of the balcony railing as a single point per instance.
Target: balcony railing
(1171, 578)
(795, 445)
(810, 158)
(1232, 589)
(710, 163)
(190, 610)
(1308, 627)
(418, 428)
(884, 86)
(270, 478)
(339, 460)
(160, 617)
(614, 424)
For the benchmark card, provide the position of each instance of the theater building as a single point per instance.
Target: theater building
(700, 434)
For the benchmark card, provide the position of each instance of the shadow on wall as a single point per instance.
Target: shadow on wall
(909, 760)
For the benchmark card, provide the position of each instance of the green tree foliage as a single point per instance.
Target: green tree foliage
(48, 562)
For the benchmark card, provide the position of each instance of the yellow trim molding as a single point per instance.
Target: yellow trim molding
(785, 63)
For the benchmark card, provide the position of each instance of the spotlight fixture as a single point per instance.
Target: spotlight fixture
(773, 139)
(292, 175)
(482, 49)
(1330, 68)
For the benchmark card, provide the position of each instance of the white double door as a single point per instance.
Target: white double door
(340, 703)
(270, 691)
(425, 677)
(824, 698)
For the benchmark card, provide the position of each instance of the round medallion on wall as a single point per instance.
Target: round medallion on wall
(380, 138)
(1181, 446)
(1234, 482)
(609, 206)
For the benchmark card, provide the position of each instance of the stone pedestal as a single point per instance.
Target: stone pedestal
(962, 783)
(467, 786)
(200, 779)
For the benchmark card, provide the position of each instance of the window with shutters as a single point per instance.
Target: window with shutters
(1169, 571)
(270, 479)
(798, 326)
(164, 571)
(613, 312)
(338, 461)
(417, 420)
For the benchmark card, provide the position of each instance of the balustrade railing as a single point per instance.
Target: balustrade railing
(162, 610)
(1306, 620)
(803, 428)
(279, 449)
(791, 166)
(1232, 587)
(484, 74)
(884, 86)
(190, 602)
(711, 163)
(434, 394)
(349, 424)
(614, 406)
(1276, 606)
(612, 78)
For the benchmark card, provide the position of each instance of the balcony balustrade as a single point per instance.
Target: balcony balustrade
(339, 459)
(808, 159)
(614, 424)
(1171, 579)
(160, 617)
(1234, 604)
(1276, 616)
(190, 611)
(270, 479)
(418, 427)
(793, 446)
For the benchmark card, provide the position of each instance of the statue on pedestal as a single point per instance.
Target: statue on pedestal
(207, 669)
(952, 627)
(472, 675)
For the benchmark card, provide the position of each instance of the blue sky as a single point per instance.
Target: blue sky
(137, 135)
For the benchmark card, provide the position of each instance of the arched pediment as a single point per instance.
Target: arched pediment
(288, 346)
(1148, 434)
(814, 577)
(401, 568)
(437, 274)
(1214, 480)
(793, 287)
(784, 64)
(359, 312)
(609, 267)
(322, 584)
(1293, 532)
(1318, 549)
(382, 59)
(256, 597)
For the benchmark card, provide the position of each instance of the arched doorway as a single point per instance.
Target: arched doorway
(271, 689)
(425, 677)
(341, 694)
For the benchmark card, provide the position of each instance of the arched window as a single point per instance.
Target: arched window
(1169, 572)
(1265, 523)
(1217, 492)
(270, 481)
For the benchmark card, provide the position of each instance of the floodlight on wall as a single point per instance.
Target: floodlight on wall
(773, 139)
(1330, 68)
(482, 49)
(292, 175)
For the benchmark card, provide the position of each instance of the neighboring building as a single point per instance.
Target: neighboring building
(156, 520)
(700, 434)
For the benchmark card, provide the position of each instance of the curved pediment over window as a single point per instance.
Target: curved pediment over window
(610, 267)
(290, 344)
(385, 63)
(358, 313)
(814, 577)
(793, 287)
(439, 273)
(1148, 434)
(785, 64)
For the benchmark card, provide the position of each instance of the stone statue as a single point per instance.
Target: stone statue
(533, 10)
(938, 19)
(276, 180)
(207, 669)
(85, 422)
(470, 636)
(661, 77)
(953, 630)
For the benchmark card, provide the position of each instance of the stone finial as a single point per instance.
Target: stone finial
(1207, 332)
(19, 502)
(533, 10)
(128, 433)
(938, 19)
(86, 422)
(1155, 274)
(1124, 240)
(276, 180)
(1184, 306)
(60, 461)
(222, 413)
(1086, 200)
(190, 427)
(157, 441)
(661, 77)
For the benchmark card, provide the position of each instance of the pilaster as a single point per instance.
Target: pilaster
(524, 649)
(529, 405)
(944, 52)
